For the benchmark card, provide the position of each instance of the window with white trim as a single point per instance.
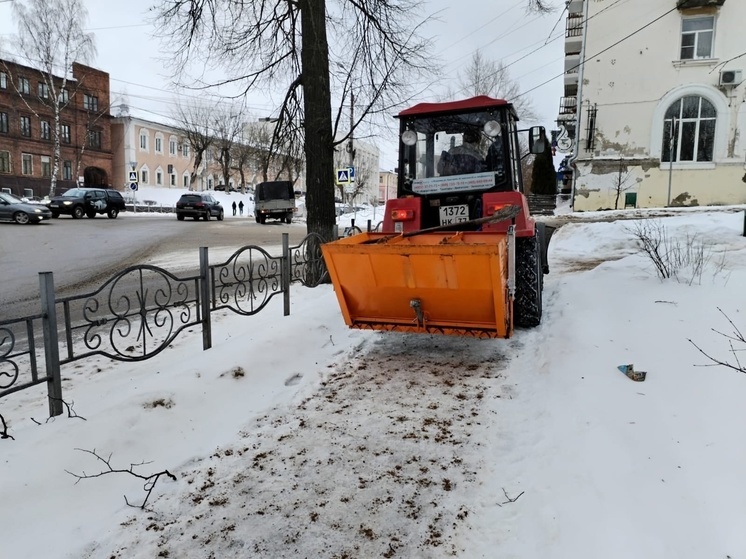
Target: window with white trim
(46, 130)
(185, 149)
(159, 176)
(172, 145)
(144, 175)
(689, 130)
(158, 142)
(27, 164)
(144, 140)
(697, 37)
(26, 126)
(46, 166)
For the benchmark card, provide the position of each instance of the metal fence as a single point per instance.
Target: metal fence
(139, 311)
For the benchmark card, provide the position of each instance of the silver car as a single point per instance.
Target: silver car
(14, 209)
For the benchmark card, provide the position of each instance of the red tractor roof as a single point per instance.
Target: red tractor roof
(478, 102)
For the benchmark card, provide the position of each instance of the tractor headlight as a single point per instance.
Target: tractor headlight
(492, 128)
(409, 137)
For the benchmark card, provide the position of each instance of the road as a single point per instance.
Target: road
(84, 253)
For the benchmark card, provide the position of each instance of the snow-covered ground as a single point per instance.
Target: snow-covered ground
(297, 437)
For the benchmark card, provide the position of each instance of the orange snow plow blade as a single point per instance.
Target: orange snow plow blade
(453, 283)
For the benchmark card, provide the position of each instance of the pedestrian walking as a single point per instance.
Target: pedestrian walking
(240, 207)
(234, 208)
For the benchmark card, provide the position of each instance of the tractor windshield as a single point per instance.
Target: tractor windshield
(450, 153)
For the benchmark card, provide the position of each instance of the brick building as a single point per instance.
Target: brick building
(27, 129)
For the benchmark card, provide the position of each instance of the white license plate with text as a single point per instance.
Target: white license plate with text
(454, 214)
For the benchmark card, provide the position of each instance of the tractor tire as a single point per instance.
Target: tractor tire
(529, 282)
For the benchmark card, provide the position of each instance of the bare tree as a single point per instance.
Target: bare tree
(621, 181)
(486, 77)
(194, 120)
(51, 36)
(540, 6)
(227, 125)
(284, 46)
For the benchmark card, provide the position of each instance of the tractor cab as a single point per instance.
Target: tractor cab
(452, 158)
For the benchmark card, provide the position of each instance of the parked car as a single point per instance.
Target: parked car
(198, 204)
(79, 202)
(13, 208)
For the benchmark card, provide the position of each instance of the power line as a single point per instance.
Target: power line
(635, 32)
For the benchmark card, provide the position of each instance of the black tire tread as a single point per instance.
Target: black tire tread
(527, 305)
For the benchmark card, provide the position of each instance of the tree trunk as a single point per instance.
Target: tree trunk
(318, 120)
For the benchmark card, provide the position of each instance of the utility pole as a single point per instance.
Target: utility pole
(670, 158)
(351, 145)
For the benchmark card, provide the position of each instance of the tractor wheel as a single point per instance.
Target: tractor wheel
(529, 282)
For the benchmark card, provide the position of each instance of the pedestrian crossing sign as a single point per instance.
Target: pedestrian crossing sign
(343, 176)
(133, 176)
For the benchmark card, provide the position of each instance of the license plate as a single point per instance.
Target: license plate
(53, 206)
(454, 214)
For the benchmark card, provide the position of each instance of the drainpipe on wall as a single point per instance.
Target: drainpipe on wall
(576, 150)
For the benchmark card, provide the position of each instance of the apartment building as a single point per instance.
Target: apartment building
(27, 129)
(365, 160)
(158, 153)
(653, 112)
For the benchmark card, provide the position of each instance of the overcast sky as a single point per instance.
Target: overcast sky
(500, 28)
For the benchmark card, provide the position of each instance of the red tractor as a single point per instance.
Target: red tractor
(459, 252)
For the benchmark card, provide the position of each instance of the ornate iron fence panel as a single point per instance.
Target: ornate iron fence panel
(307, 264)
(18, 354)
(247, 281)
(135, 315)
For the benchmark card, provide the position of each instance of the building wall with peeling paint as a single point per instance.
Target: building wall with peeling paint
(632, 74)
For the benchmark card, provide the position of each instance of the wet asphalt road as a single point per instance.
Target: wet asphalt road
(83, 254)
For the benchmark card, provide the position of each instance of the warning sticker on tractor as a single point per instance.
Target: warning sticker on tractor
(455, 183)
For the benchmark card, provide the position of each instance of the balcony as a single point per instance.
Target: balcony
(573, 35)
(575, 7)
(568, 106)
(686, 4)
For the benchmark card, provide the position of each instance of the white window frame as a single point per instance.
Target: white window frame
(46, 130)
(23, 85)
(185, 179)
(23, 119)
(144, 174)
(144, 139)
(697, 38)
(185, 149)
(10, 167)
(46, 161)
(158, 147)
(30, 158)
(3, 80)
(159, 176)
(173, 145)
(722, 124)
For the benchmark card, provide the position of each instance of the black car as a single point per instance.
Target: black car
(78, 202)
(198, 204)
(15, 209)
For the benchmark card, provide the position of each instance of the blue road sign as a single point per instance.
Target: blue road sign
(343, 176)
(133, 186)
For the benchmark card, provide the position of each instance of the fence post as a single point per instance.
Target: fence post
(51, 343)
(744, 224)
(369, 225)
(285, 273)
(204, 288)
